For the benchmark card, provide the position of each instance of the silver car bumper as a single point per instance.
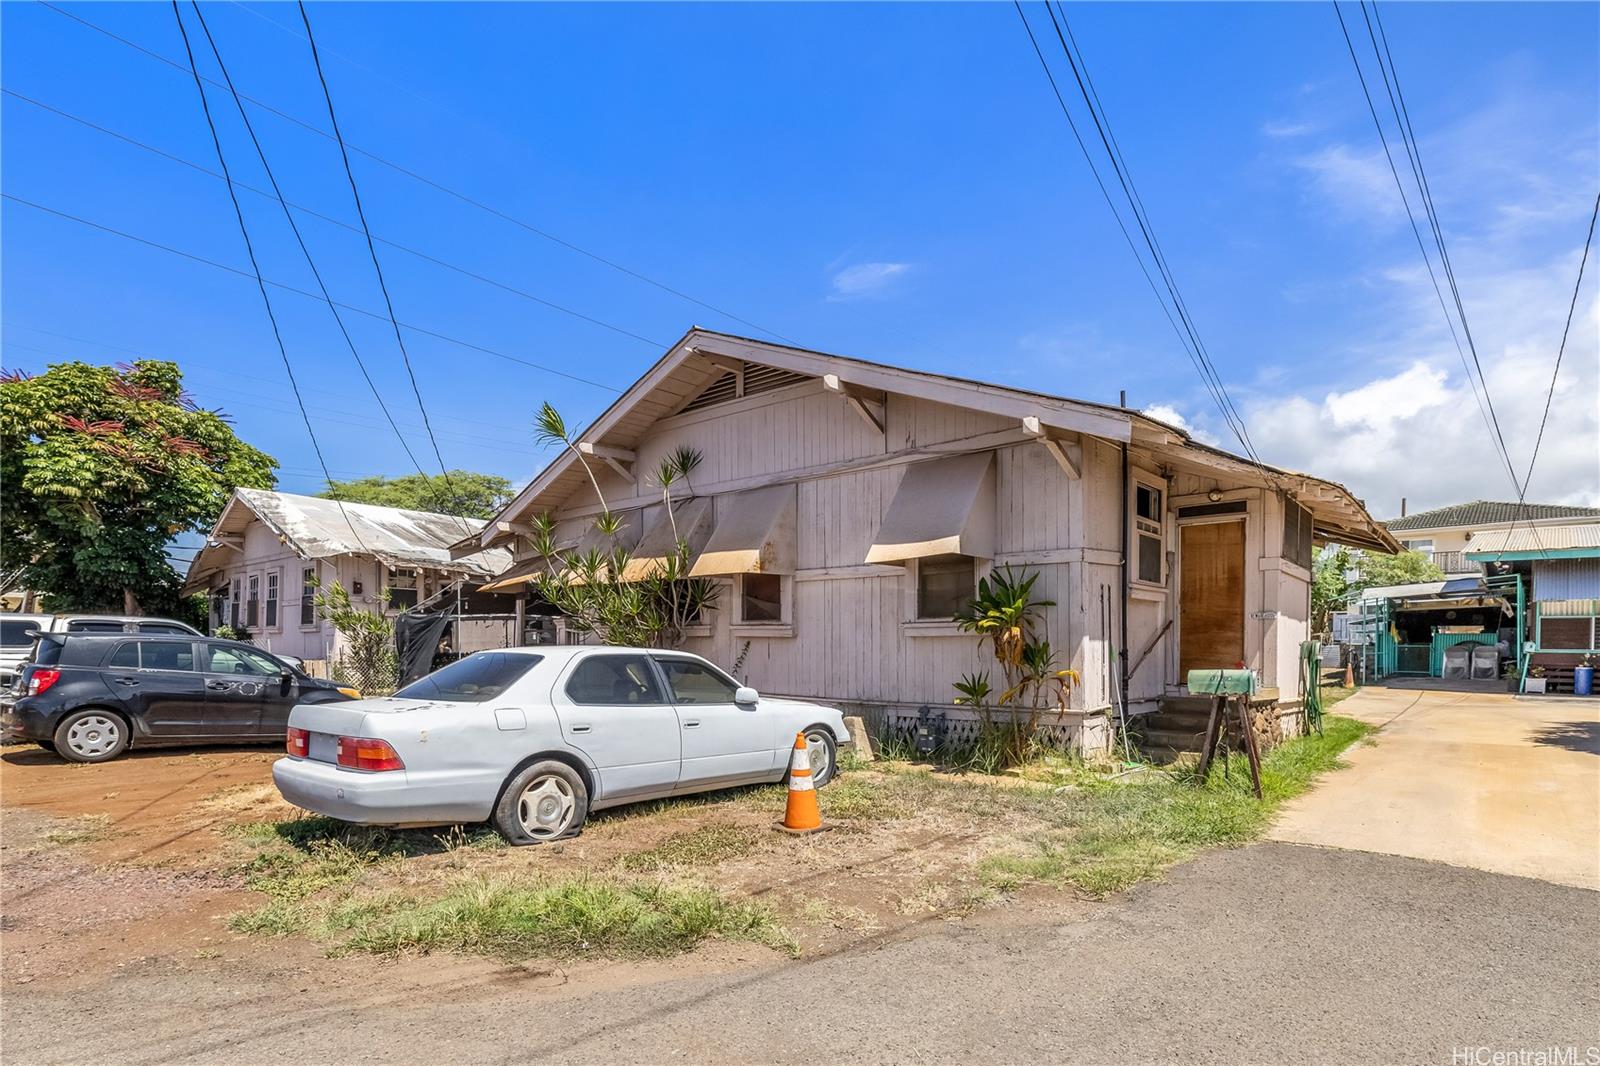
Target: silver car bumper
(387, 798)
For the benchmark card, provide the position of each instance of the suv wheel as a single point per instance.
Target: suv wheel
(91, 735)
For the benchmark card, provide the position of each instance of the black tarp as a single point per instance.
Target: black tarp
(416, 639)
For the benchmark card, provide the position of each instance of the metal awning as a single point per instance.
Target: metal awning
(942, 507)
(690, 521)
(754, 534)
(519, 575)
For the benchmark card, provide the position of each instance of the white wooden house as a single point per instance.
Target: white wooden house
(848, 508)
(269, 551)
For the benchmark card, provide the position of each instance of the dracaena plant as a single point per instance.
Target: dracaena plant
(593, 588)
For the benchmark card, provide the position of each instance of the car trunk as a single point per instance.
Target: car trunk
(326, 722)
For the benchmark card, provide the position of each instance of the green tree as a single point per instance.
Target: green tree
(1374, 570)
(1329, 586)
(99, 468)
(462, 493)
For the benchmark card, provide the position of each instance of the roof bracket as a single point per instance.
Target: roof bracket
(870, 405)
(1060, 451)
(618, 459)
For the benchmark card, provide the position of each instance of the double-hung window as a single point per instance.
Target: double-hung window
(308, 596)
(272, 599)
(252, 614)
(1149, 534)
(233, 603)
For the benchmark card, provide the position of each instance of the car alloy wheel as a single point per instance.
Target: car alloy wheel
(545, 807)
(94, 736)
(819, 754)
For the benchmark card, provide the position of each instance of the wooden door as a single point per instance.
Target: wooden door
(1210, 597)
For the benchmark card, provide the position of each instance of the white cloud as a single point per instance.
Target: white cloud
(1286, 128)
(1358, 184)
(1380, 404)
(862, 280)
(1165, 412)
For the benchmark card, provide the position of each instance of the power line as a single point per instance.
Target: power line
(464, 271)
(191, 256)
(1091, 99)
(261, 285)
(304, 251)
(372, 250)
(1483, 400)
(439, 186)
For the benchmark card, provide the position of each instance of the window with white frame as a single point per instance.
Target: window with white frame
(233, 602)
(945, 584)
(761, 598)
(252, 605)
(1149, 533)
(402, 586)
(308, 596)
(1423, 546)
(272, 599)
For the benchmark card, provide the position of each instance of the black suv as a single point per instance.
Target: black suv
(87, 697)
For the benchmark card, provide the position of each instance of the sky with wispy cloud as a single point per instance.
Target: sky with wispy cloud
(890, 181)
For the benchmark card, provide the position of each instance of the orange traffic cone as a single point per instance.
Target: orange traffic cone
(802, 815)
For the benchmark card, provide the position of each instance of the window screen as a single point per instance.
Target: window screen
(1149, 558)
(693, 682)
(944, 585)
(761, 598)
(1149, 526)
(613, 680)
(479, 677)
(1575, 634)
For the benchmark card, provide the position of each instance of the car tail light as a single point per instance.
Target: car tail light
(299, 742)
(366, 753)
(41, 679)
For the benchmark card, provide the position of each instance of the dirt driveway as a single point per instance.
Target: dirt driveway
(1481, 779)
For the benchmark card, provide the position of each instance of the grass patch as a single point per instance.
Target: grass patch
(706, 846)
(1107, 835)
(82, 831)
(523, 917)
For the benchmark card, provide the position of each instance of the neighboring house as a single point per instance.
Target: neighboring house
(848, 510)
(1563, 563)
(1445, 534)
(269, 551)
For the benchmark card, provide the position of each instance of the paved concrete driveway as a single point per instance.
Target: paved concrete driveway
(1480, 779)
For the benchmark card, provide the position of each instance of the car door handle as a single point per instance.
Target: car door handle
(581, 728)
(126, 681)
(218, 686)
(693, 723)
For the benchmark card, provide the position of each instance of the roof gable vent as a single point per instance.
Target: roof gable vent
(723, 389)
(756, 378)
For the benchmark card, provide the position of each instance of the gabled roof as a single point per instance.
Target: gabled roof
(317, 528)
(702, 357)
(1487, 513)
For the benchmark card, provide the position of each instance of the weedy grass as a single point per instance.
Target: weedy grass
(1108, 834)
(521, 917)
(81, 831)
(706, 846)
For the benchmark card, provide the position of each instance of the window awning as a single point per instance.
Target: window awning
(754, 534)
(942, 507)
(592, 540)
(690, 522)
(516, 577)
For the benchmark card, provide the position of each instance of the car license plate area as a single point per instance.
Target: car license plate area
(324, 748)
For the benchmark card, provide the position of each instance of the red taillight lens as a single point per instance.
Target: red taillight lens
(299, 742)
(41, 680)
(366, 753)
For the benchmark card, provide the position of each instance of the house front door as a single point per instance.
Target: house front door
(1210, 597)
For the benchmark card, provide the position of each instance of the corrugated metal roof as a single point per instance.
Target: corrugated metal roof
(1487, 513)
(1533, 539)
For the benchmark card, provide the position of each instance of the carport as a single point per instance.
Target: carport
(1408, 630)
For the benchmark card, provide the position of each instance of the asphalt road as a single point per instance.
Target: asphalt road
(1270, 954)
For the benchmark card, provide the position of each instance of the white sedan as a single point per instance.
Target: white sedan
(533, 739)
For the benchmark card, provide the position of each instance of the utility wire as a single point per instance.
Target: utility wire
(1115, 214)
(439, 186)
(331, 220)
(372, 250)
(304, 250)
(261, 285)
(192, 257)
(1146, 228)
(1427, 260)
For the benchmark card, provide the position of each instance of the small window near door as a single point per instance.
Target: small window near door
(1297, 534)
(308, 596)
(945, 585)
(613, 680)
(272, 600)
(693, 682)
(761, 598)
(1149, 525)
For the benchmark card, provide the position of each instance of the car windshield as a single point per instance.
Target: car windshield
(476, 678)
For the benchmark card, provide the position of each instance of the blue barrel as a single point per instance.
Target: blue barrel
(1583, 680)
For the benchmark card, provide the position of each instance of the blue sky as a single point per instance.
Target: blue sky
(890, 181)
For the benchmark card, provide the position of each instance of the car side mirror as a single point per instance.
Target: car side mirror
(285, 683)
(744, 694)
